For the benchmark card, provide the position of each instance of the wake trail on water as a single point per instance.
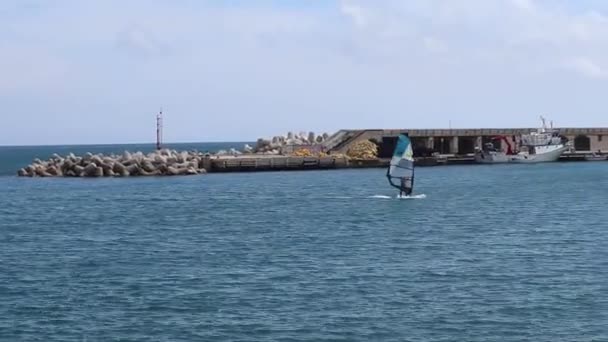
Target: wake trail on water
(420, 196)
(381, 196)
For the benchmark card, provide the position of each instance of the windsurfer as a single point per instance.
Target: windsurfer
(406, 187)
(401, 167)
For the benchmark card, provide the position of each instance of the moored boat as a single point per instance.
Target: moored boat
(544, 145)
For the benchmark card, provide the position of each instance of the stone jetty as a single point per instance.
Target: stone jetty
(284, 144)
(159, 163)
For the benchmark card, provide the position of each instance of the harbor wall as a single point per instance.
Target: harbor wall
(140, 165)
(431, 147)
(253, 163)
(459, 141)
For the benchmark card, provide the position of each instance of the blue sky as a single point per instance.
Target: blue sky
(77, 71)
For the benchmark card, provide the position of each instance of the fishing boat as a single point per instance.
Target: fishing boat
(400, 172)
(544, 145)
(489, 154)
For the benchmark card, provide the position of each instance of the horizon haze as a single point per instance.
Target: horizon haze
(84, 72)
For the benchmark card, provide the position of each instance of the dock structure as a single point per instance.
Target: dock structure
(431, 147)
(246, 163)
(457, 142)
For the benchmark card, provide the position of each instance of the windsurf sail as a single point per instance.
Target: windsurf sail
(400, 172)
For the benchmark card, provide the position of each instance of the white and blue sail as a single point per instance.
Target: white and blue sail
(400, 172)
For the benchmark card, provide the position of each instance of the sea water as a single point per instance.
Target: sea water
(490, 253)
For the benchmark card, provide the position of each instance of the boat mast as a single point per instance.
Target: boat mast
(544, 123)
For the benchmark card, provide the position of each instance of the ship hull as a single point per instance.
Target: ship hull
(550, 156)
(520, 158)
(491, 157)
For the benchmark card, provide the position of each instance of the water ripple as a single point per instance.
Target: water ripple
(491, 254)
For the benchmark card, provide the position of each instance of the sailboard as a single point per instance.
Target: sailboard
(400, 172)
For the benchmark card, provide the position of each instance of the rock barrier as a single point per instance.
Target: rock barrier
(159, 163)
(276, 144)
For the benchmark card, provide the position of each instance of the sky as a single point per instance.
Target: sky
(86, 72)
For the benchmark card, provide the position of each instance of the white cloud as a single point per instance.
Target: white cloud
(435, 45)
(523, 32)
(526, 5)
(30, 70)
(139, 41)
(261, 70)
(357, 13)
(587, 67)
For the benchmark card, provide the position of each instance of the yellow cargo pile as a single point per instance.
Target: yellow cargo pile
(363, 150)
(303, 152)
(308, 153)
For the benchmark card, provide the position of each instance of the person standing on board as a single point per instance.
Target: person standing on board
(406, 187)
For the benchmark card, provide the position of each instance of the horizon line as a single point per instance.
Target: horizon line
(253, 141)
(131, 143)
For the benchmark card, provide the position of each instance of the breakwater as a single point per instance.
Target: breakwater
(110, 161)
(285, 144)
(173, 163)
(159, 163)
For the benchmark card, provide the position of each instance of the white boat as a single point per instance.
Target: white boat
(489, 154)
(544, 145)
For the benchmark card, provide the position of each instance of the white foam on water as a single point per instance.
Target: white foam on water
(421, 196)
(381, 196)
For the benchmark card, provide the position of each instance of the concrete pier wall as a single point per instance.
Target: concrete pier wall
(287, 163)
(465, 141)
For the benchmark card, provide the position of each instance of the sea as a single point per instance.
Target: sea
(479, 253)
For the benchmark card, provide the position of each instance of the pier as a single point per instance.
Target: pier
(289, 163)
(286, 163)
(458, 142)
(431, 148)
